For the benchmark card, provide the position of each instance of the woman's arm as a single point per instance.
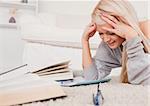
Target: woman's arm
(140, 71)
(138, 63)
(104, 60)
(86, 53)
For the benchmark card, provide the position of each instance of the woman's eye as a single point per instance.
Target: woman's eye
(110, 33)
(100, 33)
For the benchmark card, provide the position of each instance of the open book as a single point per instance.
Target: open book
(59, 71)
(27, 90)
(28, 84)
(51, 71)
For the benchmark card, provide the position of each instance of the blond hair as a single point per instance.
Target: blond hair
(125, 13)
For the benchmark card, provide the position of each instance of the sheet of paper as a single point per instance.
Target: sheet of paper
(59, 76)
(27, 81)
(19, 79)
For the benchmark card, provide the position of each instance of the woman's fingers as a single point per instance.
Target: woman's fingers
(109, 29)
(92, 27)
(92, 33)
(117, 32)
(91, 24)
(89, 31)
(107, 20)
(112, 18)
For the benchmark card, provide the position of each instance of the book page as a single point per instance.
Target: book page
(40, 89)
(59, 76)
(55, 72)
(14, 73)
(27, 83)
(37, 67)
(51, 69)
(19, 79)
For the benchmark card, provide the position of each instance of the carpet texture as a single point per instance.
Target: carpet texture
(115, 94)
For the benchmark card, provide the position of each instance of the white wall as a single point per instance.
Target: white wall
(85, 6)
(66, 6)
(11, 48)
(141, 7)
(74, 10)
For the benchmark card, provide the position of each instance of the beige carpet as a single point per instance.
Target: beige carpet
(115, 94)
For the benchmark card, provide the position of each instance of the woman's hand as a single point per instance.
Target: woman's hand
(89, 31)
(119, 28)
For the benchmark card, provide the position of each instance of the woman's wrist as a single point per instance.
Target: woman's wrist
(85, 39)
(85, 42)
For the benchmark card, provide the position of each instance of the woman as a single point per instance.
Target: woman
(125, 42)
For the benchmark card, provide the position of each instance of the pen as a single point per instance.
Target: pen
(98, 99)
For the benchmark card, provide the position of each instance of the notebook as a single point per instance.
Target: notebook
(80, 81)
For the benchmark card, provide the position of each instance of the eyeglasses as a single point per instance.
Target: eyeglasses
(98, 98)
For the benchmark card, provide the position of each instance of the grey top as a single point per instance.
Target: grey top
(138, 64)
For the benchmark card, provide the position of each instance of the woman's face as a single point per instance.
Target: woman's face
(112, 40)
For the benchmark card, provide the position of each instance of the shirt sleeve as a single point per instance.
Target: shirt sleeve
(138, 64)
(102, 63)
